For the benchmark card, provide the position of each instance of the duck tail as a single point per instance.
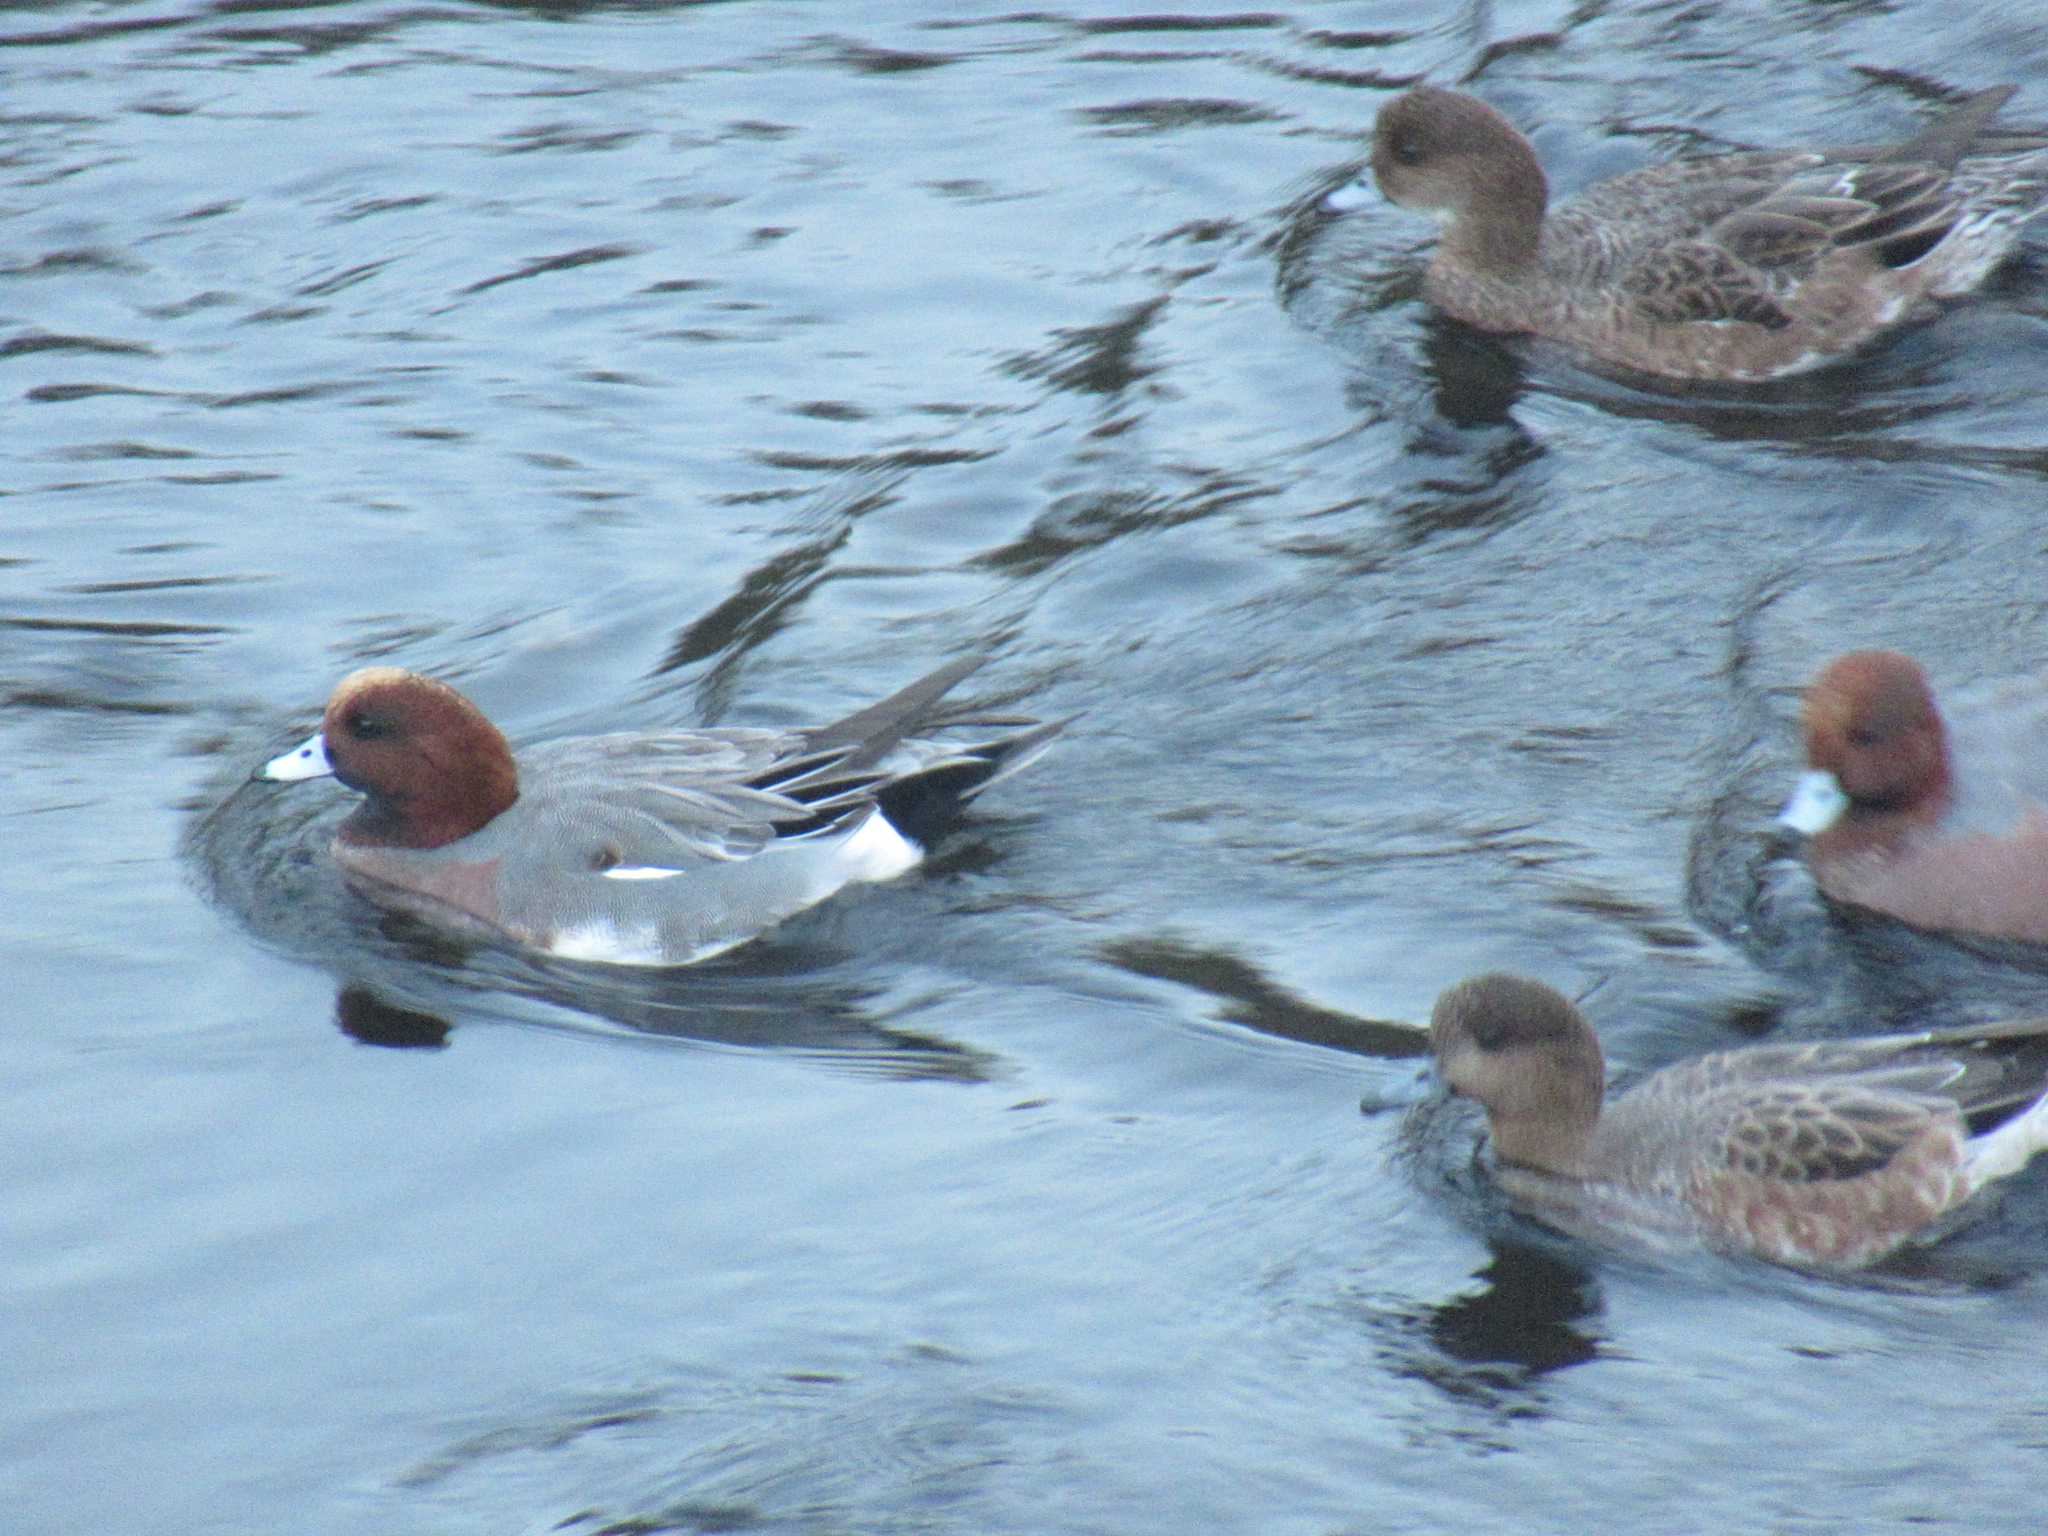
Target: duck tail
(1949, 137)
(921, 803)
(2004, 1151)
(872, 733)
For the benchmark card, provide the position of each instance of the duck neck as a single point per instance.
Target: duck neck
(435, 817)
(1499, 230)
(1924, 801)
(1550, 1143)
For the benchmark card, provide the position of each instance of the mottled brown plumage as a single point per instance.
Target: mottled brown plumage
(1827, 1155)
(1741, 266)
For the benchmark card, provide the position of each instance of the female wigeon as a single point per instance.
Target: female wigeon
(1824, 1156)
(644, 848)
(1741, 266)
(1940, 822)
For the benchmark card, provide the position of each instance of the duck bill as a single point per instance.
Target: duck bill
(1352, 195)
(1403, 1090)
(308, 760)
(1817, 803)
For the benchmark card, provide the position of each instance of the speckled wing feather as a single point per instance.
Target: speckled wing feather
(1788, 233)
(1837, 1109)
(1828, 1129)
(1911, 1063)
(1685, 198)
(1696, 280)
(1727, 248)
(2000, 1067)
(1900, 211)
(1656, 235)
(1595, 237)
(720, 796)
(667, 801)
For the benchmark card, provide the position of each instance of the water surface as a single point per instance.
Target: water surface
(634, 364)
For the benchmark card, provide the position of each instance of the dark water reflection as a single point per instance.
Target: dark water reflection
(1524, 1318)
(641, 364)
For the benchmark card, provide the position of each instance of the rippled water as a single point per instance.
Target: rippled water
(638, 363)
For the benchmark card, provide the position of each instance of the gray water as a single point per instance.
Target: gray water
(637, 364)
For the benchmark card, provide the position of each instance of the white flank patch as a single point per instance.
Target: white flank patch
(609, 944)
(2005, 1151)
(877, 851)
(640, 872)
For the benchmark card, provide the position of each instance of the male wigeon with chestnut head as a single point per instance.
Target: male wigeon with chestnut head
(1734, 267)
(639, 848)
(1827, 1156)
(1936, 815)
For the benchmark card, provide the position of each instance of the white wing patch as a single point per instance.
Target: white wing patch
(640, 872)
(609, 944)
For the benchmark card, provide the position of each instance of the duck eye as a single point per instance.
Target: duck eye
(1406, 151)
(1490, 1032)
(1864, 736)
(368, 727)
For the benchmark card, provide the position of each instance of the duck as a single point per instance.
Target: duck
(1935, 816)
(1828, 1156)
(1736, 267)
(644, 848)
